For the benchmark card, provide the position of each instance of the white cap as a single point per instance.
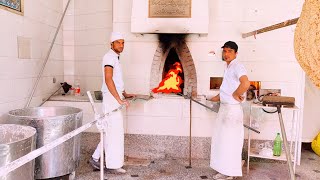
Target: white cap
(116, 36)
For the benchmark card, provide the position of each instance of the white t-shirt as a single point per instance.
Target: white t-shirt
(231, 81)
(111, 59)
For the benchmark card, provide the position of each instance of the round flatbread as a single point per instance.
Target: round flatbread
(307, 40)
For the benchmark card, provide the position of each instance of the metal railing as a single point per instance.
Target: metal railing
(38, 152)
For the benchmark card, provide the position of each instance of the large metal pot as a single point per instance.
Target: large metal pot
(52, 123)
(15, 142)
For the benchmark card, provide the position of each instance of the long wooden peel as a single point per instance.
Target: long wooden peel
(271, 28)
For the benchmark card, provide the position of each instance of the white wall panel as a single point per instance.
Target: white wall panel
(85, 39)
(38, 24)
(268, 58)
(91, 52)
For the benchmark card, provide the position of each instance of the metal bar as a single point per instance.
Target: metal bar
(101, 138)
(252, 129)
(270, 28)
(295, 140)
(300, 122)
(292, 131)
(190, 135)
(249, 141)
(34, 154)
(285, 143)
(38, 152)
(51, 95)
(187, 97)
(47, 57)
(101, 155)
(92, 102)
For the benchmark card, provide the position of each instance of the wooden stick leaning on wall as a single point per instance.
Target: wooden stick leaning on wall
(271, 28)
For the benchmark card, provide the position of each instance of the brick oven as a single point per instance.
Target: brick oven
(173, 49)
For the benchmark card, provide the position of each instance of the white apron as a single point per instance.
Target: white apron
(227, 141)
(114, 134)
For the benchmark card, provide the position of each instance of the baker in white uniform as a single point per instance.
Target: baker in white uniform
(113, 96)
(228, 136)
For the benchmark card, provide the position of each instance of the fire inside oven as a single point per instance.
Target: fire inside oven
(172, 76)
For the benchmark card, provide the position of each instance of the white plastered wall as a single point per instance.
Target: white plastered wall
(269, 58)
(77, 55)
(17, 75)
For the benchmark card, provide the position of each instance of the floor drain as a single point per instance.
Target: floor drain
(203, 177)
(134, 175)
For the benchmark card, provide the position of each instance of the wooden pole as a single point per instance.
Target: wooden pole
(285, 144)
(271, 28)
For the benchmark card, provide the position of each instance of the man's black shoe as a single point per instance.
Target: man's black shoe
(94, 164)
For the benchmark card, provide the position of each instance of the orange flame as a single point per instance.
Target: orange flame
(171, 83)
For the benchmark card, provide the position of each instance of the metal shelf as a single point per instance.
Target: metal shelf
(253, 153)
(295, 137)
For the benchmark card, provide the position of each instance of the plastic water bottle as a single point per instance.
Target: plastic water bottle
(277, 145)
(77, 88)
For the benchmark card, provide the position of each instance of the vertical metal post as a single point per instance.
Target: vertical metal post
(101, 155)
(285, 143)
(101, 138)
(249, 140)
(190, 134)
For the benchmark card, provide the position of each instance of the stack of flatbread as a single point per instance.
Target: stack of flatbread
(307, 40)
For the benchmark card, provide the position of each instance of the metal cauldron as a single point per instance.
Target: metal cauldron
(52, 123)
(15, 142)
